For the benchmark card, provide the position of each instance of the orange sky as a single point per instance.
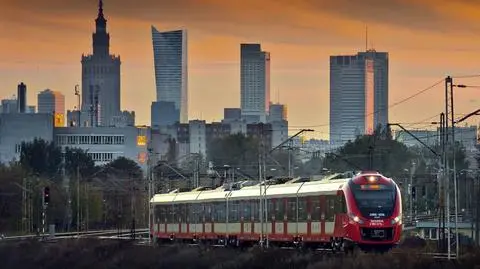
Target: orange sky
(42, 41)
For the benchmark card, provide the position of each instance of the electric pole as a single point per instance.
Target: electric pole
(78, 200)
(260, 179)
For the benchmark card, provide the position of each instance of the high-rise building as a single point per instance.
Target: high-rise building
(254, 82)
(380, 63)
(9, 106)
(52, 102)
(22, 98)
(101, 78)
(351, 97)
(164, 113)
(278, 112)
(171, 75)
(232, 114)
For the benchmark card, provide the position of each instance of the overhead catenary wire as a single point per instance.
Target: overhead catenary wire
(382, 109)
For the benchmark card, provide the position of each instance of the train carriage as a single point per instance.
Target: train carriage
(324, 213)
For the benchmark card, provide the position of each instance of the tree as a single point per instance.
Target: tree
(11, 199)
(42, 158)
(236, 151)
(371, 152)
(78, 157)
(123, 191)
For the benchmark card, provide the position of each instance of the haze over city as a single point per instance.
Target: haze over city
(42, 43)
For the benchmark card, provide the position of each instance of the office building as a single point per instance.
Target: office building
(171, 77)
(22, 127)
(232, 114)
(380, 66)
(164, 113)
(278, 112)
(22, 98)
(52, 102)
(351, 97)
(254, 82)
(9, 106)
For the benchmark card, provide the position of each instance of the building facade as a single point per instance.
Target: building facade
(381, 70)
(16, 128)
(164, 113)
(171, 73)
(351, 97)
(254, 83)
(52, 102)
(100, 78)
(105, 144)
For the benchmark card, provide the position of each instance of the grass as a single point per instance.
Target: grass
(90, 253)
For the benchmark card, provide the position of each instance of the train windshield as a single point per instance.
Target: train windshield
(374, 203)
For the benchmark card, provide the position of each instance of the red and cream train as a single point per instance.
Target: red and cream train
(334, 212)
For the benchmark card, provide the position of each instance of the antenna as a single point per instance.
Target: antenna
(366, 37)
(278, 96)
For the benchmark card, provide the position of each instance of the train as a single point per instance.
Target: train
(337, 212)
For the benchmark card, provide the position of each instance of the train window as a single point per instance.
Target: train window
(255, 209)
(157, 215)
(192, 213)
(247, 210)
(302, 209)
(188, 208)
(171, 215)
(292, 209)
(270, 210)
(207, 213)
(233, 207)
(279, 210)
(315, 212)
(220, 214)
(180, 216)
(162, 216)
(330, 208)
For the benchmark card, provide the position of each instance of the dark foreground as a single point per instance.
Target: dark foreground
(91, 254)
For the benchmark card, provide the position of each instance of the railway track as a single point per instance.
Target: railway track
(329, 251)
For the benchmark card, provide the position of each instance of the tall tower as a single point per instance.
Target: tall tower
(254, 82)
(380, 63)
(100, 72)
(351, 97)
(22, 98)
(171, 73)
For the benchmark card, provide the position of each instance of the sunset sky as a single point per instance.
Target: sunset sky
(42, 42)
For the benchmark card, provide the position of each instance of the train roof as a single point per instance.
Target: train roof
(245, 191)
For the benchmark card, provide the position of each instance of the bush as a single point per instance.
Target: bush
(90, 253)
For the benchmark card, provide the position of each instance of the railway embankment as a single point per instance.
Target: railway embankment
(92, 253)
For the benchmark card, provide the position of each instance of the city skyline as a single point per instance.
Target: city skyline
(418, 54)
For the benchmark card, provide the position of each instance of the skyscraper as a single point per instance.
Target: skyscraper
(52, 102)
(254, 82)
(171, 75)
(100, 77)
(22, 98)
(351, 97)
(380, 63)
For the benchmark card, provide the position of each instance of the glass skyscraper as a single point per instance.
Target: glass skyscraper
(171, 77)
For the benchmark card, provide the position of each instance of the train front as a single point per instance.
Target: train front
(374, 211)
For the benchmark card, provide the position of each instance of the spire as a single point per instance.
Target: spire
(100, 9)
(101, 39)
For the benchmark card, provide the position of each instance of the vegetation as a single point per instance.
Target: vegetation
(110, 196)
(110, 254)
(115, 194)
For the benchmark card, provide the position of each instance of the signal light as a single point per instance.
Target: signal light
(46, 195)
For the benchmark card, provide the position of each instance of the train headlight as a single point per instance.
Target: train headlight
(355, 218)
(396, 220)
